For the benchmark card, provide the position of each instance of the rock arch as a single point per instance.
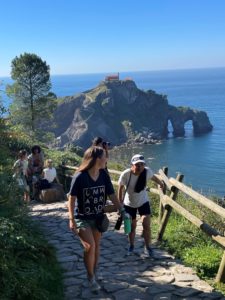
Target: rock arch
(178, 116)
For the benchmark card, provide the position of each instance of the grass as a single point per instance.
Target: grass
(187, 242)
(190, 244)
(28, 265)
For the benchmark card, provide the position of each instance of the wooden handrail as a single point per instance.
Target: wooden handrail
(66, 167)
(198, 197)
(168, 203)
(215, 235)
(114, 172)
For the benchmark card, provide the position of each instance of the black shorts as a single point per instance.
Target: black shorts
(143, 210)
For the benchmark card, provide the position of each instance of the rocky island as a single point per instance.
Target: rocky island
(121, 113)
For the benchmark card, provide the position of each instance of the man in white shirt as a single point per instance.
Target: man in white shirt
(133, 183)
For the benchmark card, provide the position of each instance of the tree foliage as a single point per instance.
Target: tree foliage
(33, 103)
(5, 136)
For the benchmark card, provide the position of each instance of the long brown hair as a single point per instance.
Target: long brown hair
(90, 157)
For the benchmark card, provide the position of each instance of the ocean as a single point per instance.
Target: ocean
(200, 159)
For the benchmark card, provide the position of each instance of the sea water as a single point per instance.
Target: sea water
(200, 159)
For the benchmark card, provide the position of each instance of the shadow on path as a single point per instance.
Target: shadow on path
(123, 277)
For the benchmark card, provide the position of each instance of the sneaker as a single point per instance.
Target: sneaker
(94, 286)
(130, 250)
(149, 252)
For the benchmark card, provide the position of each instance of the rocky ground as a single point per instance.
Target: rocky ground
(123, 277)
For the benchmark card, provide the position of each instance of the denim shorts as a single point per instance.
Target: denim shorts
(86, 223)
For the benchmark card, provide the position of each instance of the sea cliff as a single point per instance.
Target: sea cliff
(122, 113)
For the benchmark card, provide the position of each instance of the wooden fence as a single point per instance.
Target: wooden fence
(167, 202)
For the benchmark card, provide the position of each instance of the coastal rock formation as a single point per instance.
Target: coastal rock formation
(121, 113)
(180, 115)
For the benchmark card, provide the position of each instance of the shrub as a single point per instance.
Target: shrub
(190, 244)
(28, 268)
(204, 258)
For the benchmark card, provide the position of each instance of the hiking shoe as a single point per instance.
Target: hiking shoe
(94, 286)
(149, 252)
(130, 250)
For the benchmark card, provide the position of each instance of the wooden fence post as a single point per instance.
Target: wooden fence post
(161, 208)
(220, 277)
(63, 174)
(168, 209)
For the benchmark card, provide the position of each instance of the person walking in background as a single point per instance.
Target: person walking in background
(99, 142)
(133, 183)
(90, 187)
(20, 168)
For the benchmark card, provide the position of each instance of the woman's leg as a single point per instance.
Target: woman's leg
(90, 238)
(26, 191)
(97, 237)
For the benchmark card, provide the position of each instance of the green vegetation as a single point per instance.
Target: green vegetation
(33, 103)
(94, 92)
(128, 128)
(190, 244)
(183, 109)
(62, 157)
(28, 266)
(205, 260)
(184, 240)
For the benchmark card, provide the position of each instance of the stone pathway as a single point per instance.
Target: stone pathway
(124, 277)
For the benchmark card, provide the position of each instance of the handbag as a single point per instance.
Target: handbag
(102, 222)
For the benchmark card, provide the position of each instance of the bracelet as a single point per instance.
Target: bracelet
(71, 219)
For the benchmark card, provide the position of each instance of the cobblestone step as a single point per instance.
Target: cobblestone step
(124, 277)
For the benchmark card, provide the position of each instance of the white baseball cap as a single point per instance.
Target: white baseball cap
(137, 158)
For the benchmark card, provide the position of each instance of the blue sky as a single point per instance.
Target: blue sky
(87, 36)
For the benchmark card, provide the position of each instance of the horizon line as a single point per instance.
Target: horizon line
(131, 71)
